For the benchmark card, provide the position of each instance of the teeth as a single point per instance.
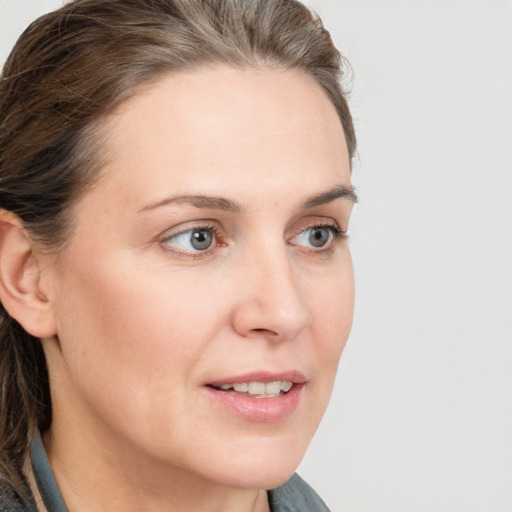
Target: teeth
(260, 389)
(286, 386)
(257, 388)
(273, 388)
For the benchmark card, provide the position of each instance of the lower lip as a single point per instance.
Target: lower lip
(259, 410)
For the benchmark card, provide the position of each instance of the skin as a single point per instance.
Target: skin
(143, 321)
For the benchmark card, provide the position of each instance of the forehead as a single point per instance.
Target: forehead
(221, 126)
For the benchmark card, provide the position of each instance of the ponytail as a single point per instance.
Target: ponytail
(24, 400)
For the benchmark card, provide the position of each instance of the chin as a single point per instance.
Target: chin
(262, 465)
(258, 477)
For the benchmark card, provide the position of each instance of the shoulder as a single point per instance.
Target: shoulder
(295, 495)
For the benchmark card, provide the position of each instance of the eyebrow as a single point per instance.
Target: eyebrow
(199, 201)
(228, 205)
(340, 191)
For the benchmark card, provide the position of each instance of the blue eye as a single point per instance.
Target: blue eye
(317, 237)
(193, 240)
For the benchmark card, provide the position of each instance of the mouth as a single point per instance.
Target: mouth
(257, 389)
(260, 397)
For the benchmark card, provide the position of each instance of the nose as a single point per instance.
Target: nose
(269, 301)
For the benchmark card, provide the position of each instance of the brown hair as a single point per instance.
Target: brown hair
(68, 70)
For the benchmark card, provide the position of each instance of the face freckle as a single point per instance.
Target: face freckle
(152, 326)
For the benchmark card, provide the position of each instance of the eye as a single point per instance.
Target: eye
(317, 237)
(197, 239)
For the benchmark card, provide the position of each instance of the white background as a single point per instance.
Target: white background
(421, 416)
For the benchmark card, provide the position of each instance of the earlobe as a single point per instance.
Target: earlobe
(20, 291)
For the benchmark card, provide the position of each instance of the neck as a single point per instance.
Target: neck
(103, 480)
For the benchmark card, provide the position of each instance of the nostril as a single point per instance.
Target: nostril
(264, 331)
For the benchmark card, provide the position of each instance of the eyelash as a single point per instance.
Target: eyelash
(337, 233)
(338, 236)
(217, 241)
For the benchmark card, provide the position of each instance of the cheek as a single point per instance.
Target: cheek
(135, 319)
(133, 347)
(128, 333)
(332, 309)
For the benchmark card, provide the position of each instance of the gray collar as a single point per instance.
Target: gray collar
(43, 474)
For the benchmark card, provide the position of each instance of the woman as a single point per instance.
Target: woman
(174, 272)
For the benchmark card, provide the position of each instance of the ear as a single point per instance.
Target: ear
(20, 291)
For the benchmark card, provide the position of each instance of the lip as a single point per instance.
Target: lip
(259, 410)
(261, 376)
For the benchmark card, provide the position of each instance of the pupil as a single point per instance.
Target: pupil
(319, 237)
(201, 240)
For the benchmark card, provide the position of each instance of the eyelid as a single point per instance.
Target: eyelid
(186, 228)
(299, 228)
(337, 234)
(318, 222)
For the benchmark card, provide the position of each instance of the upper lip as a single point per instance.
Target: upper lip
(293, 376)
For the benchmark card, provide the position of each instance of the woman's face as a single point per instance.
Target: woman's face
(211, 253)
